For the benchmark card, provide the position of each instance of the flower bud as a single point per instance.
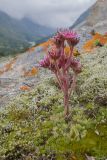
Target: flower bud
(45, 62)
(54, 54)
(71, 37)
(58, 40)
(76, 65)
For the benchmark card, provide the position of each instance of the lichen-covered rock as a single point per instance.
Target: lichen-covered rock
(33, 126)
(94, 75)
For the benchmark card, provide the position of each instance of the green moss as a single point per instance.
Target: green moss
(31, 128)
(33, 124)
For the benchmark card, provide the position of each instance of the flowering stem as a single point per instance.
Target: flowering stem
(66, 104)
(69, 59)
(71, 51)
(59, 63)
(73, 85)
(66, 95)
(59, 81)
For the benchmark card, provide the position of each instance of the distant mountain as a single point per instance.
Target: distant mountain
(94, 18)
(81, 19)
(15, 35)
(35, 29)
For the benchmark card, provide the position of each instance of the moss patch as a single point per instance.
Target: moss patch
(33, 126)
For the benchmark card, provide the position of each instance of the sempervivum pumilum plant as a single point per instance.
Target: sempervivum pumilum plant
(60, 64)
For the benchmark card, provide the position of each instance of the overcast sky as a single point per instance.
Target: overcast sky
(54, 13)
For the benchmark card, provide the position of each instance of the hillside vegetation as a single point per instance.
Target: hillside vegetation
(32, 126)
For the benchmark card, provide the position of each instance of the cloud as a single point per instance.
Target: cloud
(53, 13)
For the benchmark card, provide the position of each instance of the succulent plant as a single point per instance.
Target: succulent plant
(58, 62)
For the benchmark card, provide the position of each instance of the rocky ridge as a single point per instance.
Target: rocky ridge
(94, 18)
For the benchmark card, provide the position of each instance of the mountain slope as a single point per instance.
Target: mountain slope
(35, 29)
(81, 18)
(16, 34)
(95, 17)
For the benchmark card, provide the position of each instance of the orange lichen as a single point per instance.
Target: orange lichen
(75, 51)
(32, 49)
(7, 66)
(32, 72)
(101, 38)
(89, 45)
(24, 88)
(46, 45)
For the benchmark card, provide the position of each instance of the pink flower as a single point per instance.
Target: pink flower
(54, 54)
(52, 67)
(58, 40)
(72, 37)
(76, 65)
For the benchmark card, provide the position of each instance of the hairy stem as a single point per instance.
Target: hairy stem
(66, 95)
(71, 51)
(59, 76)
(66, 104)
(73, 85)
(69, 59)
(60, 84)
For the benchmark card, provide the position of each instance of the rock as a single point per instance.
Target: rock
(101, 100)
(89, 158)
